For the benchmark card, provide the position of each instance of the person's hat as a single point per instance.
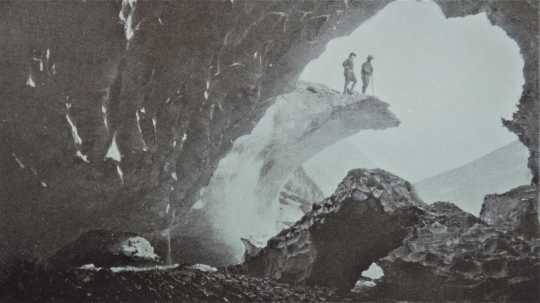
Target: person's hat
(352, 54)
(370, 57)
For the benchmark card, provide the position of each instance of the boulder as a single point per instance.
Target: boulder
(452, 255)
(427, 252)
(515, 210)
(370, 214)
(105, 248)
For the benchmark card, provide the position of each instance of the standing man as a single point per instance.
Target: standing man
(367, 72)
(348, 66)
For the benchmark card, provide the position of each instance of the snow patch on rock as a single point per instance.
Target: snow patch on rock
(203, 268)
(137, 247)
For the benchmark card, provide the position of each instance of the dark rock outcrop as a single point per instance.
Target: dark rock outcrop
(515, 211)
(171, 84)
(451, 255)
(431, 252)
(369, 215)
(105, 248)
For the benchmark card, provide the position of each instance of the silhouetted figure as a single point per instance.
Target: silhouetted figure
(350, 77)
(367, 72)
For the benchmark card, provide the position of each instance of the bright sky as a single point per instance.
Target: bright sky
(450, 81)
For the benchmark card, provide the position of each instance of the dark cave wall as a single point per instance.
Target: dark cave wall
(197, 75)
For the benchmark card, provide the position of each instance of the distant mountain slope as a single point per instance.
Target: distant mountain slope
(466, 186)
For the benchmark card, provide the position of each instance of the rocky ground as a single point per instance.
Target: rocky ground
(183, 284)
(433, 252)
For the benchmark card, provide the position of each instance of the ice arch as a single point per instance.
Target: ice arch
(242, 196)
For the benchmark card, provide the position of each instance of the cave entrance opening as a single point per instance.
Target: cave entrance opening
(449, 81)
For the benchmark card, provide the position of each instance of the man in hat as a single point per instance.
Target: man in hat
(367, 72)
(348, 66)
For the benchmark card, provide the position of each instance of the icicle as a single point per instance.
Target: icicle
(154, 123)
(43, 184)
(226, 38)
(41, 65)
(220, 107)
(160, 21)
(48, 54)
(113, 152)
(120, 173)
(30, 82)
(82, 156)
(104, 115)
(126, 17)
(167, 208)
(145, 147)
(168, 100)
(74, 132)
(174, 176)
(169, 249)
(206, 95)
(19, 162)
